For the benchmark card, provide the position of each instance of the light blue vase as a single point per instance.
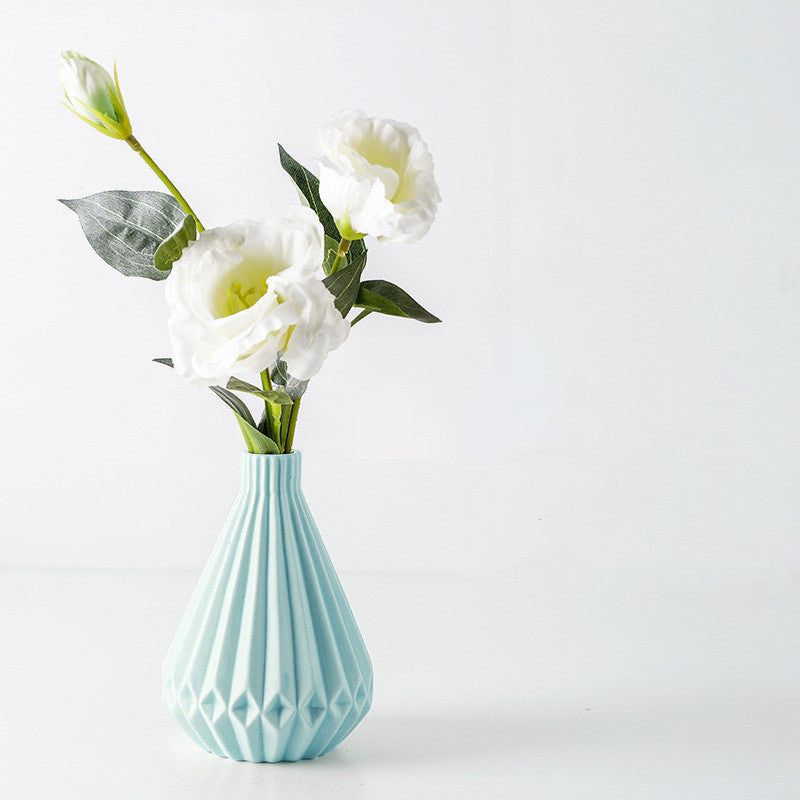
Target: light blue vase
(267, 663)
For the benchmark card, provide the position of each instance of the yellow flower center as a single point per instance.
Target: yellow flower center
(239, 299)
(244, 286)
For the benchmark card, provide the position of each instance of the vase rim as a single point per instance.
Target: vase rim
(293, 454)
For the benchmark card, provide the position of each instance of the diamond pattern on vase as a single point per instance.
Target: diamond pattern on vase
(361, 694)
(343, 702)
(279, 711)
(267, 663)
(245, 709)
(313, 710)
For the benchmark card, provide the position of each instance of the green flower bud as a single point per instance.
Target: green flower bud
(91, 93)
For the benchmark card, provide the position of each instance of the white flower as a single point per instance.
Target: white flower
(376, 177)
(92, 94)
(242, 293)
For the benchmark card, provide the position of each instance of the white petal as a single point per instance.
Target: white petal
(279, 262)
(377, 175)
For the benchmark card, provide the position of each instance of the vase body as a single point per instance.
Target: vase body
(267, 663)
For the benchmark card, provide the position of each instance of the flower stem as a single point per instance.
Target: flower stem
(136, 147)
(344, 246)
(361, 316)
(292, 423)
(266, 385)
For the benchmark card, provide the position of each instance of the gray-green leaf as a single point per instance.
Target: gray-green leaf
(126, 228)
(280, 377)
(171, 248)
(387, 298)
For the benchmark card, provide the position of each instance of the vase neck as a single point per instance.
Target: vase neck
(265, 473)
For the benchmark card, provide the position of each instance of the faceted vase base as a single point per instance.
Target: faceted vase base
(267, 663)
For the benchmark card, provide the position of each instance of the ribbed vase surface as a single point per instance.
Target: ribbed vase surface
(267, 663)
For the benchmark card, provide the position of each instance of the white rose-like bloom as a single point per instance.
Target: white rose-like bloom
(244, 292)
(376, 177)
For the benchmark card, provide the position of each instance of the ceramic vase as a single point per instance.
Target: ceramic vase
(267, 663)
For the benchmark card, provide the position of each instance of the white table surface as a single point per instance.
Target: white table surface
(554, 680)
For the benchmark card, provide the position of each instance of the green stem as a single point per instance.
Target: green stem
(292, 423)
(266, 385)
(344, 246)
(136, 147)
(361, 316)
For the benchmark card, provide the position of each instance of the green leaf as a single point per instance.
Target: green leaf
(279, 375)
(344, 285)
(237, 385)
(277, 409)
(236, 404)
(171, 248)
(386, 298)
(255, 439)
(331, 248)
(353, 254)
(126, 228)
(308, 185)
(357, 249)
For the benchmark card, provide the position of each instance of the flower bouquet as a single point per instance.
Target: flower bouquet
(267, 663)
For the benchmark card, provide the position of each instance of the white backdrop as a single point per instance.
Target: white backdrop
(616, 260)
(567, 518)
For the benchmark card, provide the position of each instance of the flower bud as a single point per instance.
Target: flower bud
(93, 95)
